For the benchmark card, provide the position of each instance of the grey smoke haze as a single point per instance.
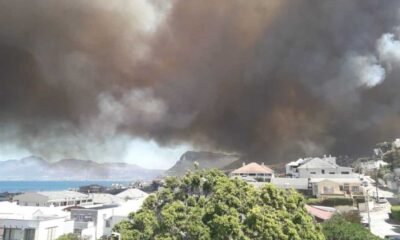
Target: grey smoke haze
(269, 79)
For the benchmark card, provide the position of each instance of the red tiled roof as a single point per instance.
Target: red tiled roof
(253, 168)
(318, 213)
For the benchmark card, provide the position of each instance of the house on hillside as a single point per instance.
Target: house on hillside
(325, 167)
(56, 199)
(255, 171)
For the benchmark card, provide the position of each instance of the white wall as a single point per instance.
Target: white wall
(306, 172)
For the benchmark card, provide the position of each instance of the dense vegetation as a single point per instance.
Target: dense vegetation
(208, 205)
(395, 212)
(390, 153)
(340, 228)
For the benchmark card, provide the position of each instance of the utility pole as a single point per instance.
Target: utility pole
(367, 205)
(376, 185)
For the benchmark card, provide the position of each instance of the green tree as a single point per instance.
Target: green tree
(208, 205)
(338, 228)
(69, 236)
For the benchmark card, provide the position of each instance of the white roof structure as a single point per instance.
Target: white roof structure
(101, 198)
(338, 180)
(63, 195)
(10, 210)
(295, 183)
(319, 163)
(53, 195)
(132, 193)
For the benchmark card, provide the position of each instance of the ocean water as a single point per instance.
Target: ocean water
(26, 186)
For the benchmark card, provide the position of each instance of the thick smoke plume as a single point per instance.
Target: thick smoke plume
(268, 79)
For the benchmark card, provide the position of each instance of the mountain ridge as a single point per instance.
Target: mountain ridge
(37, 168)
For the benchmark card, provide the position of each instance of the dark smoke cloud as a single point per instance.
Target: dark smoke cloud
(269, 79)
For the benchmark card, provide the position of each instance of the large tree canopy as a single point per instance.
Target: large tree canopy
(208, 205)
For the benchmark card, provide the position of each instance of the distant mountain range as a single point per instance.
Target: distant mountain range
(36, 168)
(206, 160)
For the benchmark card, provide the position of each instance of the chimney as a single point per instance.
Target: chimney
(243, 164)
(262, 164)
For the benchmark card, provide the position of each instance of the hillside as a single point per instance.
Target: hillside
(206, 160)
(36, 168)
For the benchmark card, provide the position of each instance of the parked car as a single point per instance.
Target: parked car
(392, 237)
(382, 200)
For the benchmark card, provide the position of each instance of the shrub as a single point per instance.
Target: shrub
(313, 201)
(359, 200)
(338, 228)
(396, 212)
(331, 202)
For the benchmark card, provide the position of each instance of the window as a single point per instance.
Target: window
(323, 171)
(108, 223)
(346, 172)
(328, 190)
(11, 233)
(29, 234)
(355, 189)
(312, 172)
(51, 233)
(346, 187)
(331, 173)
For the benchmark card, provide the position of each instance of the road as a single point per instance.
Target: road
(381, 225)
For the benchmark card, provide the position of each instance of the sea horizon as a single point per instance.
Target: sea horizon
(14, 186)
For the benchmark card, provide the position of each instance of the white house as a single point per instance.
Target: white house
(52, 198)
(255, 171)
(33, 223)
(325, 167)
(371, 165)
(94, 222)
(291, 168)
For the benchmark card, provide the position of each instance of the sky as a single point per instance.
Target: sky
(143, 81)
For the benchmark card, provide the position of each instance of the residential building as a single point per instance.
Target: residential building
(33, 223)
(94, 222)
(370, 166)
(254, 170)
(325, 167)
(55, 198)
(291, 168)
(336, 187)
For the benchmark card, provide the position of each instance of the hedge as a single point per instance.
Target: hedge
(313, 201)
(396, 212)
(331, 202)
(359, 199)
